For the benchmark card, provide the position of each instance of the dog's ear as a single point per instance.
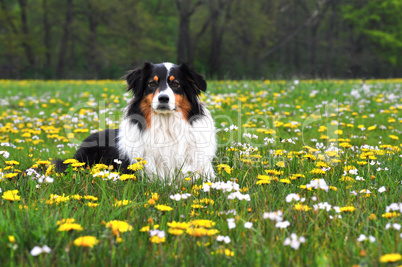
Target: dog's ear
(197, 80)
(136, 78)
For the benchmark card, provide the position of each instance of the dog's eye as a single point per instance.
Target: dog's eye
(175, 83)
(152, 83)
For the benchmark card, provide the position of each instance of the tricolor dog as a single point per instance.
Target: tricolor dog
(164, 123)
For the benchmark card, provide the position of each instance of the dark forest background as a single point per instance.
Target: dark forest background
(253, 39)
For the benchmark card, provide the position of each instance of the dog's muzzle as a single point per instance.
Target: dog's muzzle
(163, 105)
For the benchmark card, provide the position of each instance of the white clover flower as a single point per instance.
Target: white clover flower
(382, 189)
(322, 206)
(159, 233)
(39, 250)
(117, 161)
(248, 225)
(354, 171)
(273, 216)
(239, 196)
(396, 226)
(282, 225)
(221, 238)
(294, 241)
(49, 179)
(231, 223)
(178, 197)
(318, 184)
(292, 196)
(361, 238)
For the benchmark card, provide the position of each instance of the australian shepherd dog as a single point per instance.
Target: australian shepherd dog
(164, 123)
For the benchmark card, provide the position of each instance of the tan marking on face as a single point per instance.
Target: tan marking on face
(146, 109)
(156, 78)
(171, 78)
(183, 105)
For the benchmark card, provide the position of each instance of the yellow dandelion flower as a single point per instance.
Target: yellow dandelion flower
(179, 225)
(224, 167)
(394, 137)
(156, 239)
(393, 257)
(125, 177)
(203, 223)
(317, 171)
(174, 231)
(89, 197)
(76, 197)
(310, 157)
(123, 203)
(145, 229)
(12, 162)
(163, 208)
(86, 241)
(296, 176)
(69, 161)
(11, 195)
(69, 227)
(273, 172)
(301, 207)
(119, 226)
(198, 232)
(280, 164)
(345, 145)
(43, 162)
(347, 209)
(137, 166)
(226, 252)
(10, 175)
(390, 215)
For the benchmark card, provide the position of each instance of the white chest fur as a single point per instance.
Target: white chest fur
(171, 143)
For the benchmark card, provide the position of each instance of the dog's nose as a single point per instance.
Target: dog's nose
(163, 99)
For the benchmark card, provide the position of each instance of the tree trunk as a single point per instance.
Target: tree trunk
(93, 42)
(221, 10)
(25, 30)
(64, 40)
(184, 44)
(330, 40)
(71, 62)
(313, 48)
(214, 50)
(184, 53)
(296, 47)
(46, 37)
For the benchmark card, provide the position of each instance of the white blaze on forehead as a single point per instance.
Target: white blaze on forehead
(168, 66)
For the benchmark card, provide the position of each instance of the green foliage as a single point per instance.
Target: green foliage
(380, 23)
(104, 38)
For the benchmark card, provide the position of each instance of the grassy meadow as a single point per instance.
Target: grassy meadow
(308, 173)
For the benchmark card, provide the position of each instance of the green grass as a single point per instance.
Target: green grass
(27, 106)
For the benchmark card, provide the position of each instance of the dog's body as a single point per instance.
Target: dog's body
(164, 124)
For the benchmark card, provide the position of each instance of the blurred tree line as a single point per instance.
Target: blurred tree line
(99, 39)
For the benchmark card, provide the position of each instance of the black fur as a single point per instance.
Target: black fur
(98, 148)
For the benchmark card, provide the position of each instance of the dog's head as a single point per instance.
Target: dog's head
(166, 88)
